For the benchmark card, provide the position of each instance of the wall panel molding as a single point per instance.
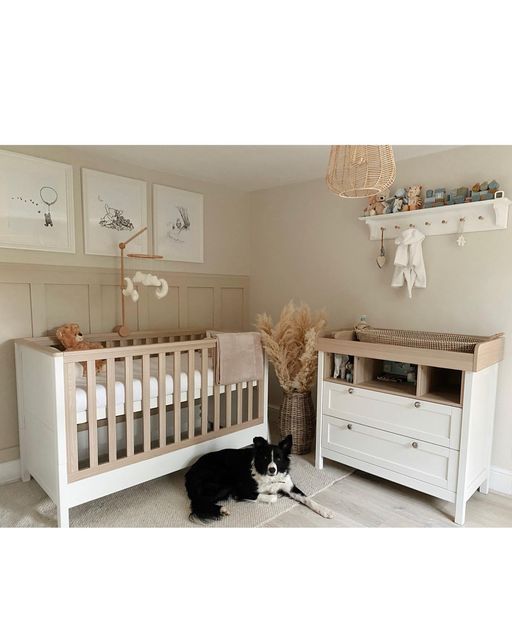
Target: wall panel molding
(37, 298)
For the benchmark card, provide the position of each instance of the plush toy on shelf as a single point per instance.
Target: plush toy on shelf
(376, 204)
(414, 197)
(398, 202)
(349, 376)
(340, 366)
(71, 338)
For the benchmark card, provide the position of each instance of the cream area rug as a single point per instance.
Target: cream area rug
(158, 503)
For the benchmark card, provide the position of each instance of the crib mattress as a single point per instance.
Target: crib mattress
(120, 392)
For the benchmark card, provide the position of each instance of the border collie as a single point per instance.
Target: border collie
(258, 473)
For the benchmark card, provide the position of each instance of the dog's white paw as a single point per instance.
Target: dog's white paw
(224, 511)
(267, 498)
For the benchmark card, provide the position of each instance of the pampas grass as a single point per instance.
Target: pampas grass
(291, 345)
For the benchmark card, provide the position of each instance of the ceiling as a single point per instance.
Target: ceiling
(247, 168)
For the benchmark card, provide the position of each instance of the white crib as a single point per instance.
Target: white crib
(154, 410)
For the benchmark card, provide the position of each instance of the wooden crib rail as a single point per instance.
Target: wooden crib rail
(91, 355)
(110, 339)
(164, 424)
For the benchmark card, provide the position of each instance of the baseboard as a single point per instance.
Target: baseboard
(10, 471)
(500, 481)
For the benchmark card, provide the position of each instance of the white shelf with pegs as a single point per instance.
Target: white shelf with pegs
(486, 215)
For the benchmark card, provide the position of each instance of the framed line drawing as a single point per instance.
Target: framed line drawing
(114, 207)
(178, 224)
(36, 204)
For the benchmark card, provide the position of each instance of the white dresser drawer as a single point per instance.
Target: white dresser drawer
(424, 461)
(427, 421)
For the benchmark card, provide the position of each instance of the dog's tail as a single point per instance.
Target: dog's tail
(204, 509)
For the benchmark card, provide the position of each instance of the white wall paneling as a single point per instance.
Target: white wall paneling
(35, 299)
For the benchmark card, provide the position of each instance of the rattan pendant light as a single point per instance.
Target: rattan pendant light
(359, 171)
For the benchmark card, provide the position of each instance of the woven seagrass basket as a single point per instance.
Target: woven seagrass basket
(421, 339)
(297, 417)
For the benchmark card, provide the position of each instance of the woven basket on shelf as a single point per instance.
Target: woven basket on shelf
(297, 417)
(421, 339)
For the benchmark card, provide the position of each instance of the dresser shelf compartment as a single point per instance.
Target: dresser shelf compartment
(436, 384)
(369, 370)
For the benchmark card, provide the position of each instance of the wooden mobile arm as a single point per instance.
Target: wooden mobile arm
(122, 329)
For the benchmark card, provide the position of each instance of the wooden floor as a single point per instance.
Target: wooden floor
(363, 500)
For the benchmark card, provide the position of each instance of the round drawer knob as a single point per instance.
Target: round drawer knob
(417, 405)
(351, 390)
(349, 426)
(414, 445)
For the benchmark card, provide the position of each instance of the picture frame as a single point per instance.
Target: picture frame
(36, 204)
(115, 207)
(178, 224)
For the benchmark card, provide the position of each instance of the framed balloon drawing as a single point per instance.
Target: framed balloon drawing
(36, 203)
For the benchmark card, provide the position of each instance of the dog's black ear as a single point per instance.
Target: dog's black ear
(286, 444)
(259, 441)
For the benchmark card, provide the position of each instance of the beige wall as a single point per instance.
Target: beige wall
(308, 244)
(40, 290)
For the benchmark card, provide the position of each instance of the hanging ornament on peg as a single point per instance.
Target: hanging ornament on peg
(381, 258)
(461, 240)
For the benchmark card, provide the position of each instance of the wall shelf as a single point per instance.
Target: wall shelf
(487, 215)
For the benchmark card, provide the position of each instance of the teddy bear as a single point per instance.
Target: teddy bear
(414, 197)
(376, 204)
(70, 336)
(371, 208)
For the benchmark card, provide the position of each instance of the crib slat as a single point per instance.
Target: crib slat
(191, 392)
(146, 407)
(204, 391)
(250, 398)
(239, 400)
(260, 399)
(71, 426)
(229, 411)
(111, 408)
(128, 404)
(177, 395)
(92, 414)
(216, 407)
(161, 399)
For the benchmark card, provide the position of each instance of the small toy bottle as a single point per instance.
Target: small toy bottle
(362, 324)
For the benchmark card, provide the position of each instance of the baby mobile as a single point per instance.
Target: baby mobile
(128, 290)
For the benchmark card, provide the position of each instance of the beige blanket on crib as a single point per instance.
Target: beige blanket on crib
(239, 357)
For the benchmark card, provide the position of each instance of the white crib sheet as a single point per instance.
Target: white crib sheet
(101, 386)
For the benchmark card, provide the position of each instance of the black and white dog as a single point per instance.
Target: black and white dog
(259, 473)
